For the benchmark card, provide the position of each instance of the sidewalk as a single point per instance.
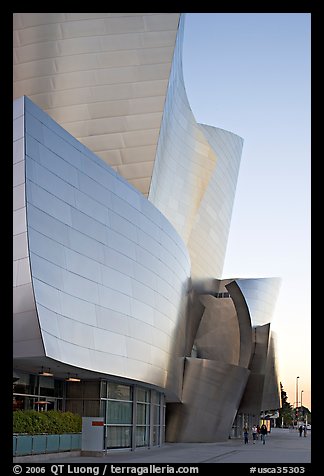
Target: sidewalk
(282, 446)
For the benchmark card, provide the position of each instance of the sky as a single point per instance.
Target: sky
(250, 73)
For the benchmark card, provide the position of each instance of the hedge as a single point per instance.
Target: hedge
(50, 422)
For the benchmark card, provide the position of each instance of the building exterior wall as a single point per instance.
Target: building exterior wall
(261, 297)
(271, 398)
(194, 176)
(103, 77)
(211, 395)
(122, 208)
(232, 371)
(26, 331)
(108, 273)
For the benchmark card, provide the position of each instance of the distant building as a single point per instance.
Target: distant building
(122, 208)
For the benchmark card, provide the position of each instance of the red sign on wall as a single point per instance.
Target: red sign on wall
(97, 423)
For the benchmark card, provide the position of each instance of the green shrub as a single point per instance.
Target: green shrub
(51, 422)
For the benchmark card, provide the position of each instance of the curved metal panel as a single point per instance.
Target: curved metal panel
(194, 176)
(271, 392)
(218, 335)
(27, 340)
(109, 272)
(261, 296)
(184, 162)
(104, 279)
(244, 320)
(252, 398)
(211, 395)
(102, 76)
(195, 312)
(212, 222)
(256, 298)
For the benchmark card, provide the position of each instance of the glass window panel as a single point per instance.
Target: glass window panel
(119, 412)
(22, 384)
(74, 389)
(26, 383)
(142, 417)
(91, 389)
(103, 408)
(48, 392)
(33, 384)
(155, 397)
(163, 436)
(46, 382)
(141, 436)
(118, 437)
(143, 395)
(103, 391)
(156, 414)
(119, 392)
(74, 406)
(58, 388)
(156, 435)
(91, 408)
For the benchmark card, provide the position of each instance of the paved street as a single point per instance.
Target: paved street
(282, 446)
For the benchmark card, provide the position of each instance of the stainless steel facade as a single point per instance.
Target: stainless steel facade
(103, 77)
(103, 279)
(232, 369)
(120, 229)
(194, 176)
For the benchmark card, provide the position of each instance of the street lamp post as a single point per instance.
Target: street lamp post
(297, 399)
(301, 402)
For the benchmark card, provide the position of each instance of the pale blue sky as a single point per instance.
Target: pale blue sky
(249, 73)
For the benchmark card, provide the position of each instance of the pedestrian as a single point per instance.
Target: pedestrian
(258, 428)
(254, 433)
(263, 431)
(300, 429)
(246, 435)
(305, 430)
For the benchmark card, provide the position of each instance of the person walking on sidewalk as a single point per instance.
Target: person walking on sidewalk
(254, 433)
(300, 429)
(263, 432)
(245, 435)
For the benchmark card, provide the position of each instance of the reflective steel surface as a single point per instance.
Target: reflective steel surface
(261, 297)
(232, 369)
(211, 394)
(194, 176)
(106, 280)
(27, 336)
(109, 274)
(102, 76)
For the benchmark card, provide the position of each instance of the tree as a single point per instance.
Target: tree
(305, 414)
(286, 411)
